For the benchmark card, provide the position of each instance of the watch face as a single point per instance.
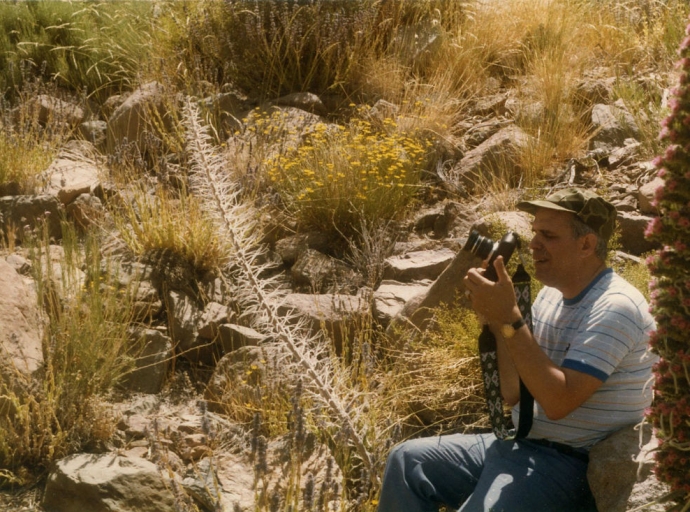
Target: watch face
(508, 331)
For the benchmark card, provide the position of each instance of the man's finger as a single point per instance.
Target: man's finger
(501, 270)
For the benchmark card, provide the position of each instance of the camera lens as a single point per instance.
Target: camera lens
(478, 245)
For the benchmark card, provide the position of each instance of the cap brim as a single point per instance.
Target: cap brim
(531, 206)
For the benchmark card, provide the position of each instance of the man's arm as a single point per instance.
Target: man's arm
(558, 390)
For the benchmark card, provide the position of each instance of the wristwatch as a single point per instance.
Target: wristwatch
(509, 330)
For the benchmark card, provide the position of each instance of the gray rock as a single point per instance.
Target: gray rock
(232, 337)
(21, 329)
(632, 227)
(306, 101)
(51, 109)
(211, 318)
(85, 210)
(391, 296)
(646, 195)
(153, 360)
(183, 317)
(613, 124)
(108, 483)
(290, 248)
(418, 265)
(95, 132)
(592, 91)
(617, 463)
(72, 173)
(497, 152)
(333, 313)
(314, 272)
(132, 118)
(31, 212)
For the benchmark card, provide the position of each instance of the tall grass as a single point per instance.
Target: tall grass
(96, 47)
(86, 351)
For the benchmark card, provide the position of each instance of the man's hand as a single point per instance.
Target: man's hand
(494, 302)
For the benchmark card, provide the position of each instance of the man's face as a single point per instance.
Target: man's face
(554, 248)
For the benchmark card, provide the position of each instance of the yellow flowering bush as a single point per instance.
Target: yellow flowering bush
(342, 176)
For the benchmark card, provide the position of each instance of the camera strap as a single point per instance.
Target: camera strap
(489, 363)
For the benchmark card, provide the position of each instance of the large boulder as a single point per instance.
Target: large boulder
(21, 329)
(134, 116)
(500, 151)
(107, 483)
(613, 124)
(617, 463)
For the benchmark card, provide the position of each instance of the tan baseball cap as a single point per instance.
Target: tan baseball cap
(593, 210)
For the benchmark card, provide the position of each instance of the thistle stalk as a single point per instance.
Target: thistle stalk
(236, 222)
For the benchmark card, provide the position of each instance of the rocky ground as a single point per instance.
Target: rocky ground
(172, 449)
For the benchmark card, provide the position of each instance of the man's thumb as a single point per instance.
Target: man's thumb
(500, 267)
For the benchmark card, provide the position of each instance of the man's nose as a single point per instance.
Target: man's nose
(534, 243)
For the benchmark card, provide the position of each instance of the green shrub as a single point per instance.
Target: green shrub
(343, 176)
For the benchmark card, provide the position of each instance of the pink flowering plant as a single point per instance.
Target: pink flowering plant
(670, 286)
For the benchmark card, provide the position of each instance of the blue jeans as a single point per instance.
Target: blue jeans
(472, 473)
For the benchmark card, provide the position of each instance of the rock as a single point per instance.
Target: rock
(202, 485)
(183, 316)
(290, 248)
(31, 213)
(646, 195)
(72, 173)
(212, 317)
(228, 107)
(306, 101)
(51, 109)
(233, 337)
(480, 132)
(334, 314)
(613, 124)
(517, 221)
(438, 220)
(19, 263)
(21, 328)
(418, 265)
(84, 211)
(95, 132)
(592, 91)
(632, 227)
(494, 104)
(391, 296)
(314, 272)
(497, 152)
(419, 311)
(624, 155)
(107, 482)
(131, 119)
(617, 463)
(152, 362)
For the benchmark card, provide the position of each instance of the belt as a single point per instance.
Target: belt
(578, 453)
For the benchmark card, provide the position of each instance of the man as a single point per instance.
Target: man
(586, 365)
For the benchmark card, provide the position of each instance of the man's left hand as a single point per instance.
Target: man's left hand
(493, 302)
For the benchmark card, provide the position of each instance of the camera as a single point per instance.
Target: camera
(484, 247)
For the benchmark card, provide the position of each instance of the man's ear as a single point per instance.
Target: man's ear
(588, 244)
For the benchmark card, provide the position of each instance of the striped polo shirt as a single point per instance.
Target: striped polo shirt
(602, 332)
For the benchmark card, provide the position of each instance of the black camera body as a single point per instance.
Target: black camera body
(484, 247)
